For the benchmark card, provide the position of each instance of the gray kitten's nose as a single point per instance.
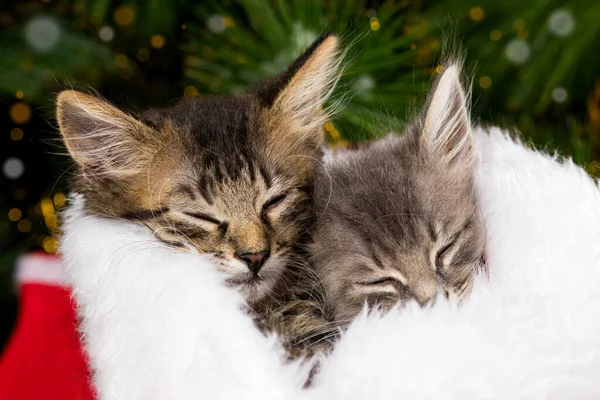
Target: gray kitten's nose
(425, 292)
(254, 260)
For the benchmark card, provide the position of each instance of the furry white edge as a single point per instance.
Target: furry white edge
(161, 325)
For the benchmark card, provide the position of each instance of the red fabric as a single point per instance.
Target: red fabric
(44, 359)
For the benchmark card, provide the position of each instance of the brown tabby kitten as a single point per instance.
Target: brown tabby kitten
(398, 219)
(230, 176)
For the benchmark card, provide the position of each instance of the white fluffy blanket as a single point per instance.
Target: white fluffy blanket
(161, 325)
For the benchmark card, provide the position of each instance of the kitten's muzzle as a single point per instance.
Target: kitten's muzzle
(254, 260)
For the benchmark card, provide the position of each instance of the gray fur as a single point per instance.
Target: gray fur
(388, 211)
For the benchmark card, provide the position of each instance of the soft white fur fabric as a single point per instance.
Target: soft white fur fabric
(160, 325)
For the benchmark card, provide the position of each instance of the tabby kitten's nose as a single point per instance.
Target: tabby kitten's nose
(254, 260)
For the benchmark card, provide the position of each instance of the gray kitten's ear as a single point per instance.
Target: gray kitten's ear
(447, 127)
(101, 138)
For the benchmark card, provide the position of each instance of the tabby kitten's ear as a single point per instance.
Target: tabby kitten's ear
(102, 139)
(447, 126)
(295, 98)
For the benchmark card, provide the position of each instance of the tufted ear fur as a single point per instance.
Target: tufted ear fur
(447, 127)
(102, 139)
(295, 99)
(311, 79)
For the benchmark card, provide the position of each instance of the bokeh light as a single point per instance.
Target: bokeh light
(374, 23)
(24, 226)
(106, 33)
(50, 244)
(334, 134)
(190, 91)
(476, 14)
(124, 16)
(559, 95)
(15, 214)
(495, 35)
(561, 23)
(364, 83)
(517, 51)
(16, 134)
(42, 33)
(20, 113)
(157, 41)
(60, 200)
(216, 24)
(13, 168)
(485, 82)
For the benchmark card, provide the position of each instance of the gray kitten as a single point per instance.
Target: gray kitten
(399, 217)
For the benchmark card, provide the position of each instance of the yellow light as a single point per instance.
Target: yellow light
(374, 24)
(47, 207)
(485, 82)
(332, 131)
(495, 35)
(16, 134)
(434, 45)
(50, 244)
(15, 214)
(24, 225)
(121, 61)
(439, 69)
(519, 24)
(184, 26)
(124, 16)
(229, 22)
(335, 134)
(157, 41)
(143, 55)
(60, 200)
(49, 214)
(522, 34)
(476, 14)
(51, 221)
(20, 113)
(190, 91)
(19, 95)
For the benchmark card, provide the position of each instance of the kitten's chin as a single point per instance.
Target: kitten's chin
(254, 288)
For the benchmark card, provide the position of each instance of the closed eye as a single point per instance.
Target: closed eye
(272, 203)
(439, 258)
(203, 217)
(380, 281)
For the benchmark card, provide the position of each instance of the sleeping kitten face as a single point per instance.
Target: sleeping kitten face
(229, 176)
(398, 218)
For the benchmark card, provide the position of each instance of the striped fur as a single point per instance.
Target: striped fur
(226, 175)
(398, 217)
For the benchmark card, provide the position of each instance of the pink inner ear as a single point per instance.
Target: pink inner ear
(484, 267)
(101, 138)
